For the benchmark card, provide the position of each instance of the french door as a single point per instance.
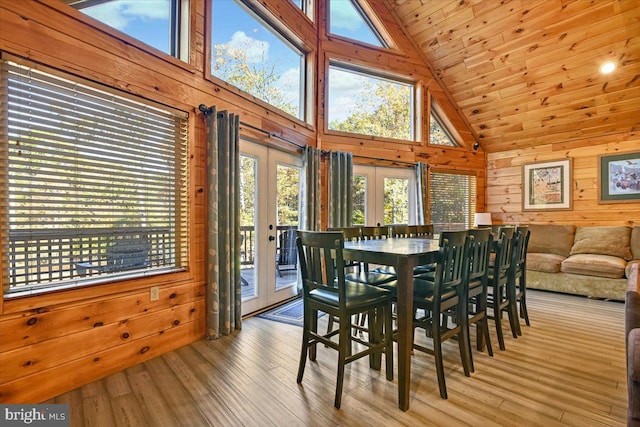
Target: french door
(270, 210)
(383, 195)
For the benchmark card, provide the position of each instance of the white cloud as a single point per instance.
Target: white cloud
(344, 16)
(344, 88)
(289, 85)
(257, 51)
(120, 14)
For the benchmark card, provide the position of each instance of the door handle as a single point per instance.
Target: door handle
(272, 238)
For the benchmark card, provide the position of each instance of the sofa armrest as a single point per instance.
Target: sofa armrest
(633, 373)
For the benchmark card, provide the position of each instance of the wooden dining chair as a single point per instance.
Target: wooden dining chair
(400, 230)
(444, 296)
(382, 274)
(500, 297)
(477, 285)
(519, 273)
(325, 289)
(425, 230)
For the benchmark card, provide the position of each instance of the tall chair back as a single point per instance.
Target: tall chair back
(519, 270)
(500, 299)
(445, 295)
(375, 232)
(479, 255)
(321, 262)
(425, 231)
(400, 230)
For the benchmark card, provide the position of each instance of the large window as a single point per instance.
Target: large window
(452, 201)
(348, 19)
(249, 53)
(163, 24)
(96, 184)
(368, 104)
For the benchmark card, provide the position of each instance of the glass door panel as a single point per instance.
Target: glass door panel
(396, 200)
(383, 196)
(288, 213)
(248, 186)
(269, 218)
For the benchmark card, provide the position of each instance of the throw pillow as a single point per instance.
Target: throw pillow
(612, 241)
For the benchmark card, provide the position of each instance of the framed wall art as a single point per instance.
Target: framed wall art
(619, 178)
(546, 186)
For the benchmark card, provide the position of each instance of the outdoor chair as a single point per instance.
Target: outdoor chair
(125, 253)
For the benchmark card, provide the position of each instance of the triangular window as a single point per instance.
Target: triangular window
(438, 132)
(348, 19)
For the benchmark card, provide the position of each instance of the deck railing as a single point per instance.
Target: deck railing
(40, 257)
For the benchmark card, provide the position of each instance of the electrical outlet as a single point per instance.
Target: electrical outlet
(155, 293)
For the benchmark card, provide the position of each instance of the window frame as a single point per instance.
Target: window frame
(369, 18)
(445, 124)
(119, 282)
(180, 24)
(278, 29)
(367, 71)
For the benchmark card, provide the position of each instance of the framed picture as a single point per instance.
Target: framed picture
(619, 178)
(546, 186)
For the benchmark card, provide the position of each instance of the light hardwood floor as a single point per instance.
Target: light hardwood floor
(568, 368)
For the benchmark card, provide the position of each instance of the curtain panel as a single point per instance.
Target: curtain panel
(311, 189)
(422, 205)
(223, 295)
(340, 189)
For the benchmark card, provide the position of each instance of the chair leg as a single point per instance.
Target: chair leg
(437, 353)
(512, 311)
(388, 339)
(523, 309)
(375, 336)
(464, 340)
(523, 299)
(344, 345)
(313, 326)
(498, 319)
(305, 343)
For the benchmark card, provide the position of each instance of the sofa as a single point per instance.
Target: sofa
(632, 336)
(593, 261)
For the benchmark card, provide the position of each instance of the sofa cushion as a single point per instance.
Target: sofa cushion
(594, 265)
(613, 241)
(630, 264)
(551, 239)
(634, 242)
(549, 263)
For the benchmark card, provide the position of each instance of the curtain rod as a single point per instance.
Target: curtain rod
(272, 135)
(203, 108)
(380, 159)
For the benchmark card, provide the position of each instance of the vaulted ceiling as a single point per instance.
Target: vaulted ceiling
(526, 72)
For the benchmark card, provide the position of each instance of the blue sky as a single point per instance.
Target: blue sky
(148, 21)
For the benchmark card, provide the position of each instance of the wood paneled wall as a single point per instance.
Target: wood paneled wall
(53, 343)
(504, 183)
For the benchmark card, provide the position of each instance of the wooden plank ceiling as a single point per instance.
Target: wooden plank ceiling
(526, 72)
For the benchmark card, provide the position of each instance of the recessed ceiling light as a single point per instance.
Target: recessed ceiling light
(607, 67)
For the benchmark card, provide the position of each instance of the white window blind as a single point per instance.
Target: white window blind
(452, 201)
(96, 184)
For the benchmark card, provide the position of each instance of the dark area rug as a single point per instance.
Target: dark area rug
(290, 313)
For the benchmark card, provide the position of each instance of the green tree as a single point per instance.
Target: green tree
(288, 195)
(258, 79)
(396, 201)
(358, 199)
(382, 109)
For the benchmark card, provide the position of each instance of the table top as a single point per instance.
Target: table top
(396, 246)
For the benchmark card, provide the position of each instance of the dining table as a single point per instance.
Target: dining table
(403, 254)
